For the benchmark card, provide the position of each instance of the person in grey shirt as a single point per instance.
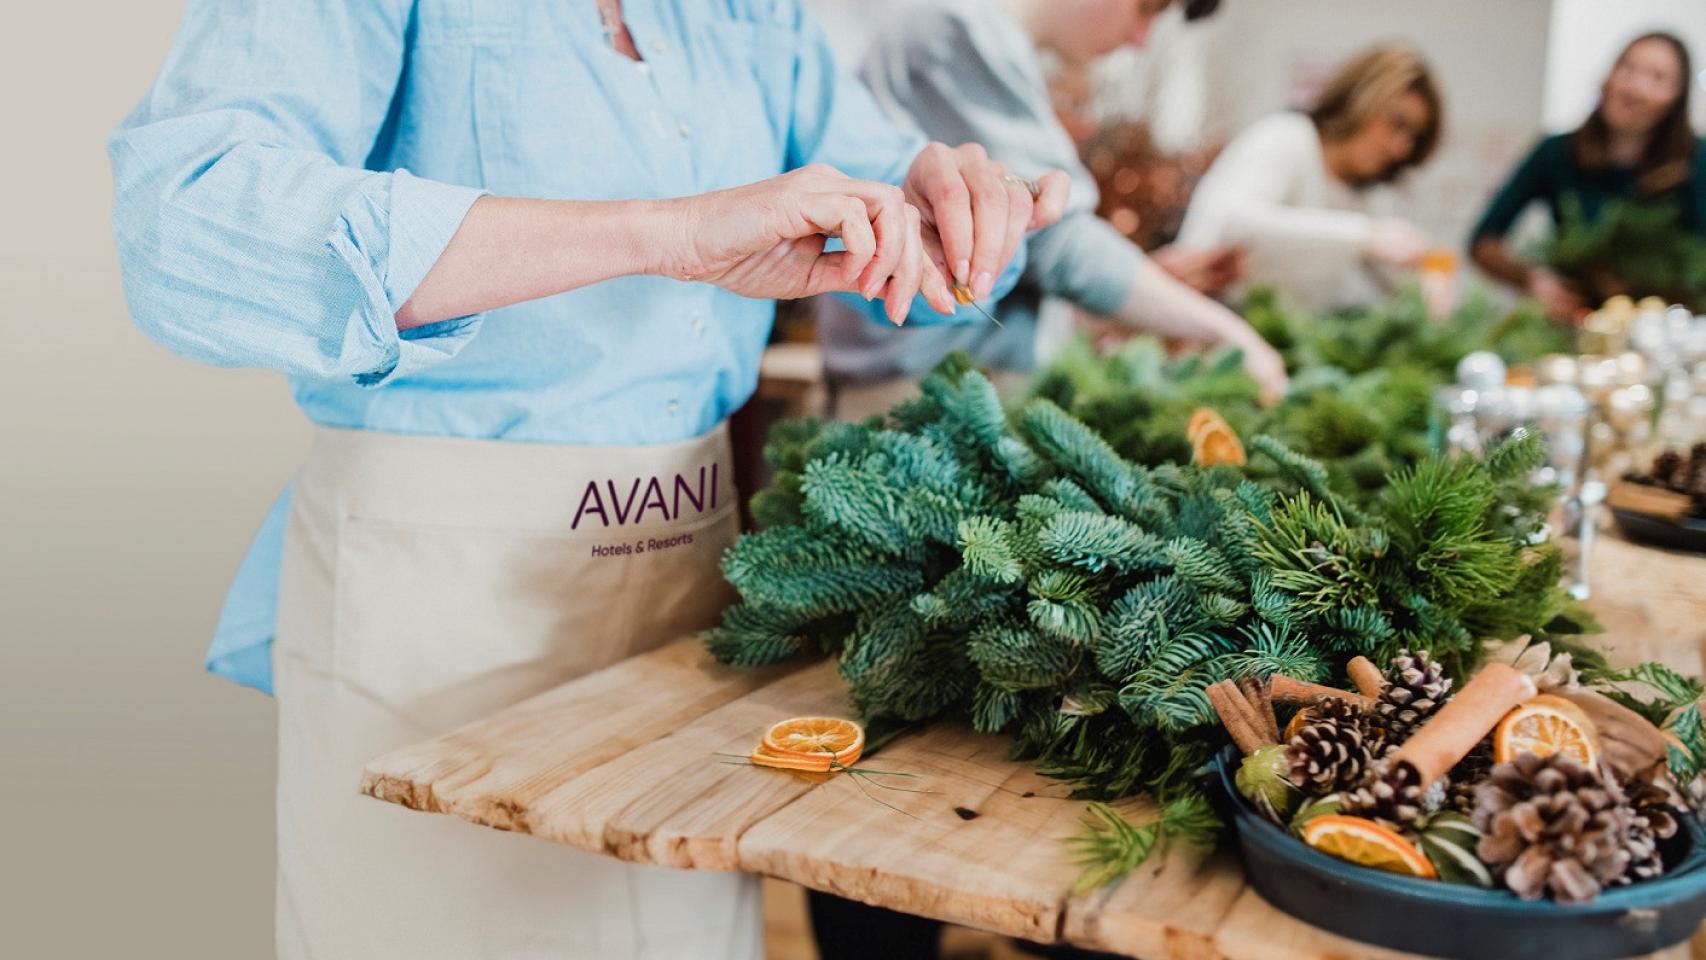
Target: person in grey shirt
(964, 71)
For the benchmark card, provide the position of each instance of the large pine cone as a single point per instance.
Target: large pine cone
(1394, 793)
(1335, 749)
(1654, 822)
(1416, 686)
(1467, 775)
(1553, 825)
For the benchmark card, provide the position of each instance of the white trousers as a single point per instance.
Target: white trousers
(431, 581)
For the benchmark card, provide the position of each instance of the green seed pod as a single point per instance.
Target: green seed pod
(1263, 779)
(1448, 840)
(1318, 807)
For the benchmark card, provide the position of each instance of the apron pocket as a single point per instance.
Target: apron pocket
(445, 623)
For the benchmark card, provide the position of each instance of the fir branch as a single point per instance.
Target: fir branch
(1111, 847)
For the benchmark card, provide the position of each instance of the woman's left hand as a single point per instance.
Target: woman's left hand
(976, 212)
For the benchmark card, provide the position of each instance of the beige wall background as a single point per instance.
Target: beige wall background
(135, 790)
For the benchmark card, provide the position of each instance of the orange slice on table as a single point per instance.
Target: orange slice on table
(1545, 725)
(765, 758)
(829, 739)
(1362, 841)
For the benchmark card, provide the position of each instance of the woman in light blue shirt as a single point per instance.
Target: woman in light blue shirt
(516, 260)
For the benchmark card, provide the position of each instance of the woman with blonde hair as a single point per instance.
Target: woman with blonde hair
(1301, 191)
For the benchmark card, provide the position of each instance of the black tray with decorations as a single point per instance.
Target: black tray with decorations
(1453, 920)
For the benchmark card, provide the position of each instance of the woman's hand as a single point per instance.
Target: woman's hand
(766, 240)
(1206, 271)
(976, 213)
(1557, 298)
(1264, 365)
(1396, 241)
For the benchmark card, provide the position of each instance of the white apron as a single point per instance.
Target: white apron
(430, 581)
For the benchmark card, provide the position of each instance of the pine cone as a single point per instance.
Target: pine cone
(1668, 470)
(1394, 793)
(1335, 749)
(1467, 775)
(1553, 825)
(1653, 823)
(1415, 687)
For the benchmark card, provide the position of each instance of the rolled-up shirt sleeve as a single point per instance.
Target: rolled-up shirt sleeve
(248, 231)
(835, 121)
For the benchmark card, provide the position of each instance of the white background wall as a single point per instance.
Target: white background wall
(135, 790)
(1586, 37)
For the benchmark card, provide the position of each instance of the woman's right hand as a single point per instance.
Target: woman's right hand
(1264, 365)
(1396, 241)
(1557, 298)
(766, 240)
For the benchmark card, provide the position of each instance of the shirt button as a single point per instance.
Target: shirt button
(685, 128)
(643, 67)
(673, 406)
(659, 46)
(699, 325)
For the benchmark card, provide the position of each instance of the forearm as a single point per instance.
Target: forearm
(1494, 257)
(1162, 305)
(508, 250)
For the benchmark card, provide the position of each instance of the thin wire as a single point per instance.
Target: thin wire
(960, 291)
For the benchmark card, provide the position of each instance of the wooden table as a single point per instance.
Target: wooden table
(629, 762)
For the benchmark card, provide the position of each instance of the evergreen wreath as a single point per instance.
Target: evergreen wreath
(1013, 569)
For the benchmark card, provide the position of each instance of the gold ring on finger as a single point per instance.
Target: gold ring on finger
(1025, 182)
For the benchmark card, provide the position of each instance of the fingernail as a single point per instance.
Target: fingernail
(982, 284)
(962, 270)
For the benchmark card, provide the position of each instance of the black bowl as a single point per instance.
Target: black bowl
(1453, 920)
(1688, 533)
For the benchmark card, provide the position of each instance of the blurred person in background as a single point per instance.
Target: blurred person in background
(969, 71)
(1635, 145)
(1300, 191)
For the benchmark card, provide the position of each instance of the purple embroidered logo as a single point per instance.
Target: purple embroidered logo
(651, 496)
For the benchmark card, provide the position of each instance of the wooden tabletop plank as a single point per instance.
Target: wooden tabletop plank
(683, 800)
(491, 771)
(626, 762)
(1166, 910)
(981, 847)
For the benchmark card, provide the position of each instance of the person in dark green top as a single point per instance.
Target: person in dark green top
(1636, 144)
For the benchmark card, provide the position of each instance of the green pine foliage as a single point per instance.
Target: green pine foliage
(1361, 396)
(1110, 846)
(1635, 247)
(1014, 569)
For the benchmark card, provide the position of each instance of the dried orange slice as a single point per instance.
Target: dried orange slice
(1212, 440)
(1545, 725)
(1200, 418)
(765, 758)
(816, 738)
(1363, 841)
(1295, 725)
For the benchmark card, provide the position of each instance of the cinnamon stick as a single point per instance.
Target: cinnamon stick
(1301, 691)
(1453, 731)
(1367, 677)
(1262, 705)
(1236, 716)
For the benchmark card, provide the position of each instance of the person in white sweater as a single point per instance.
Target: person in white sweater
(1300, 192)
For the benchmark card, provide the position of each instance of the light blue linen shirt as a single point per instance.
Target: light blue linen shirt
(300, 164)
